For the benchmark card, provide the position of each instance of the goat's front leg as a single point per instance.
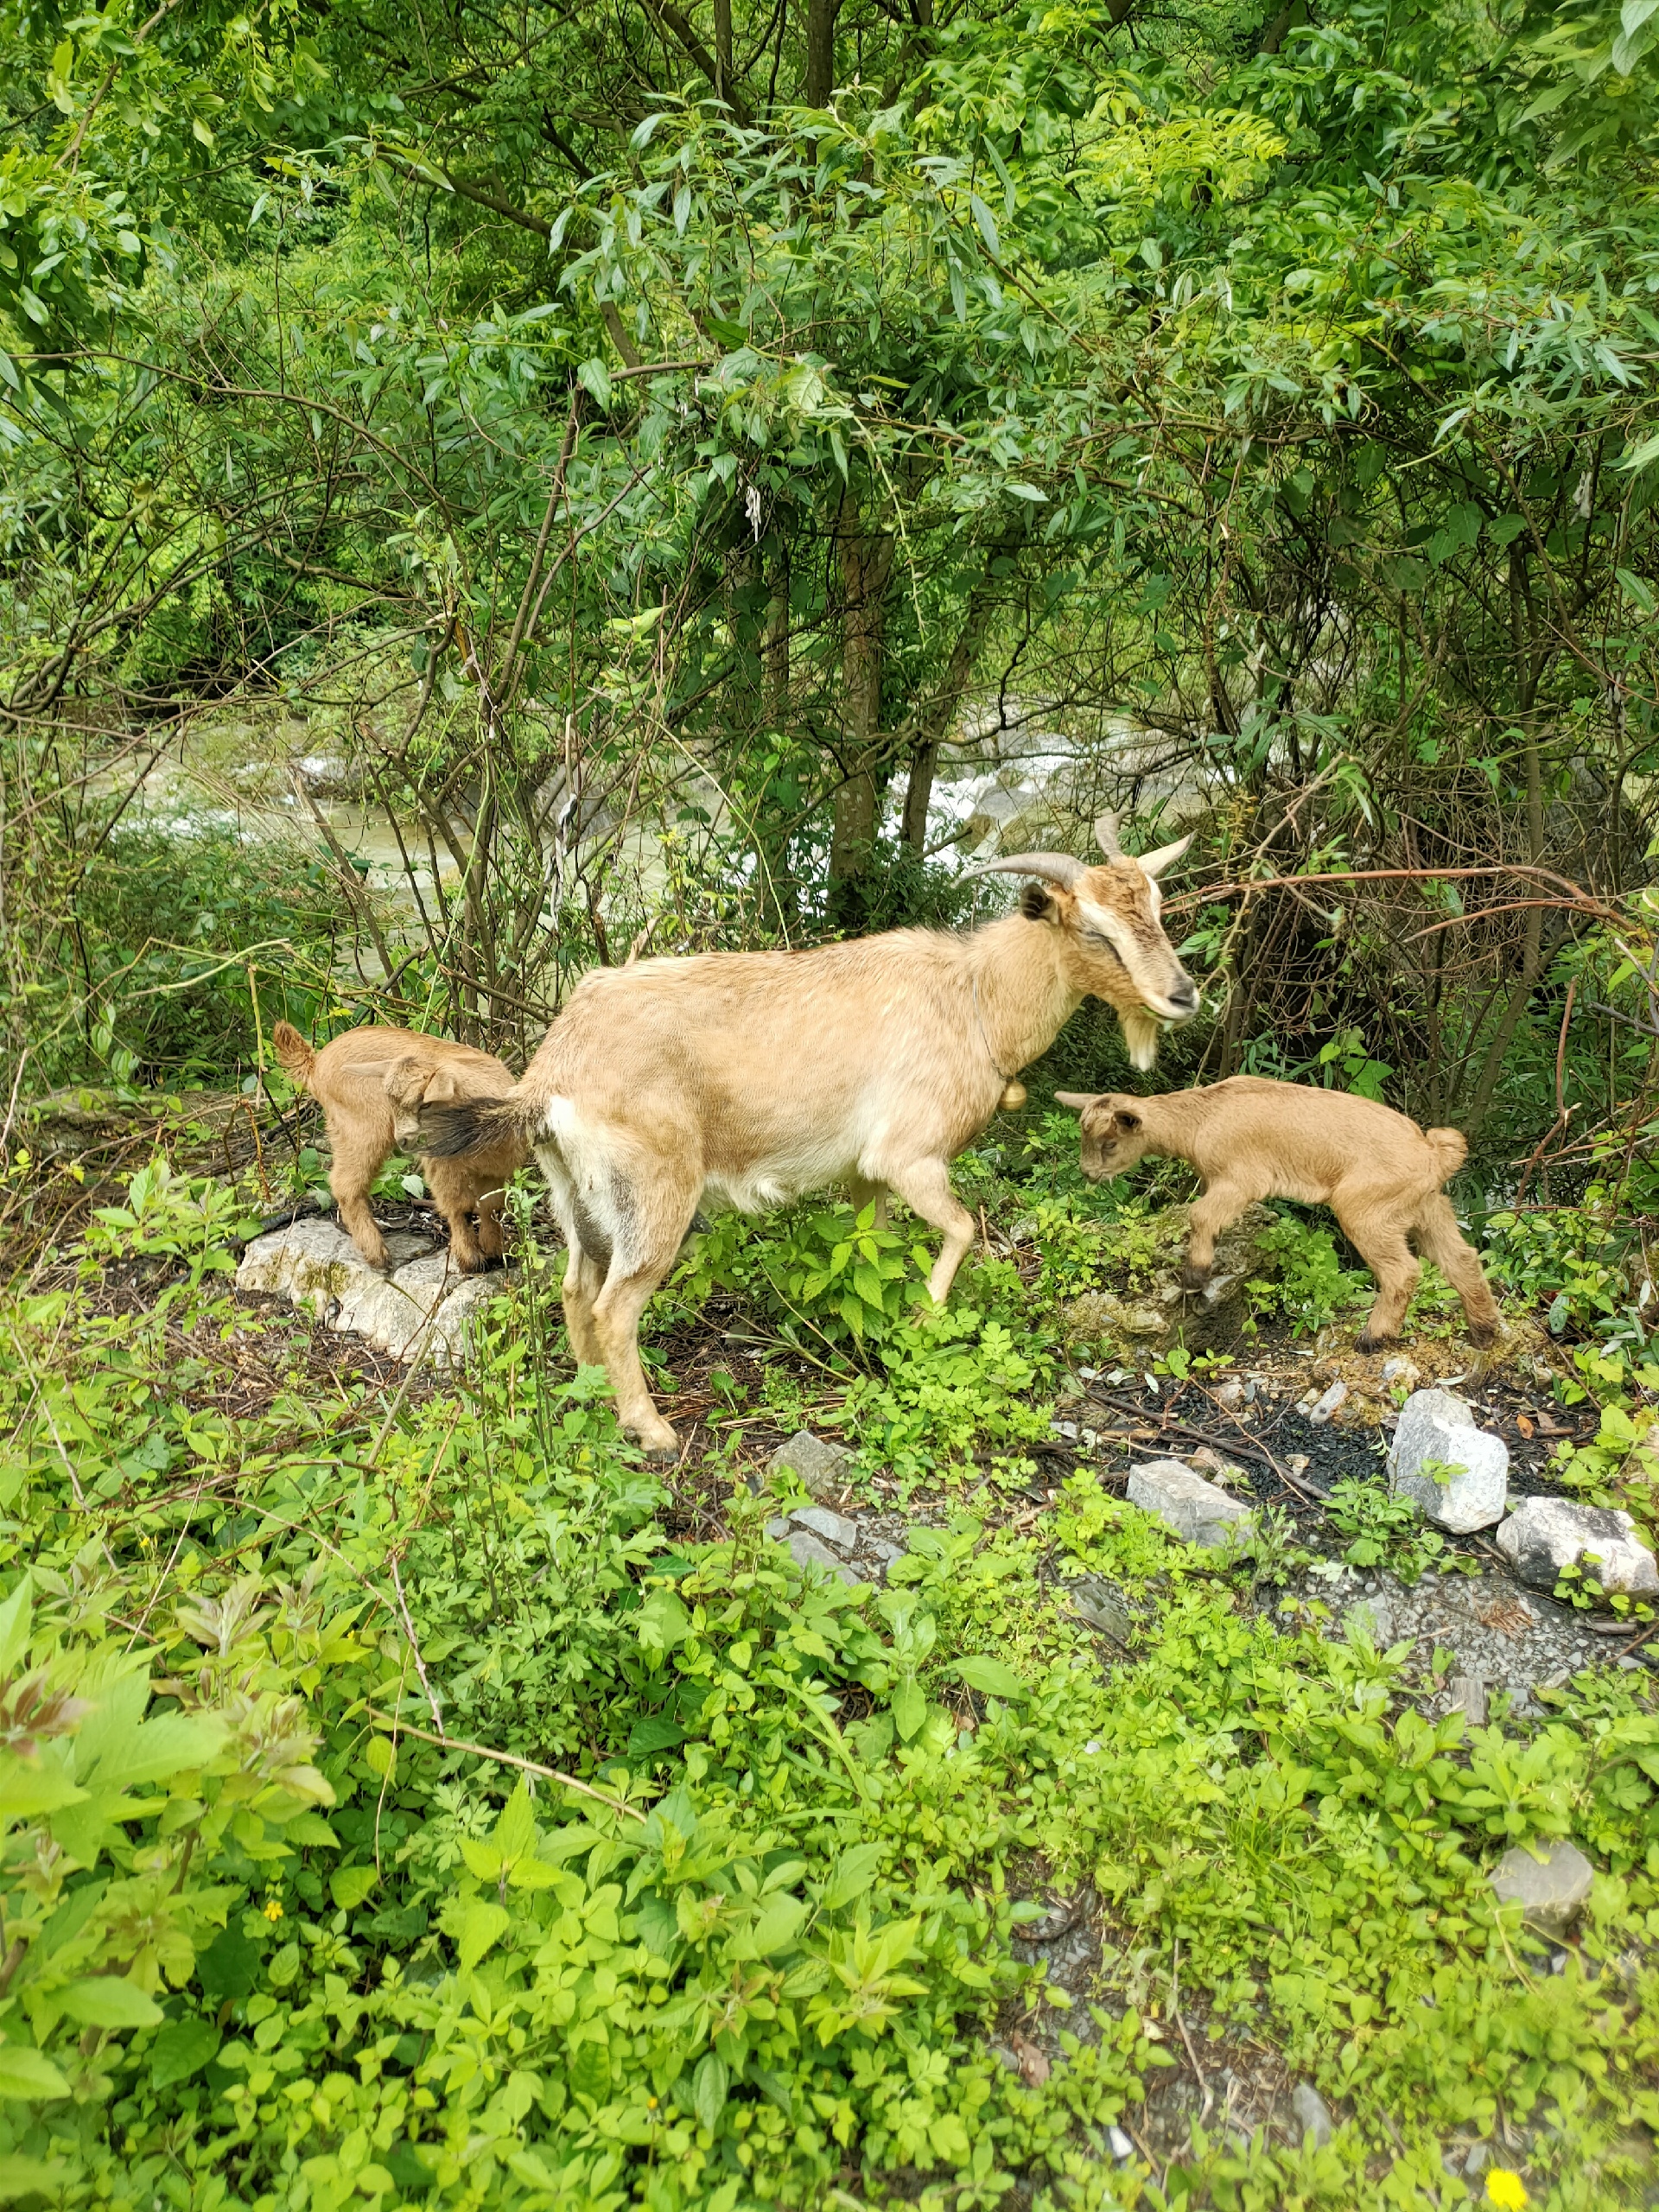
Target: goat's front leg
(925, 1187)
(1218, 1208)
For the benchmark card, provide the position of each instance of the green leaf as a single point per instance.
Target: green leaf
(909, 1709)
(15, 1614)
(1029, 491)
(21, 2176)
(28, 2072)
(1632, 585)
(181, 2048)
(482, 1926)
(991, 1677)
(987, 222)
(109, 2000)
(349, 1885)
(709, 2086)
(855, 1871)
(773, 1929)
(595, 377)
(30, 1787)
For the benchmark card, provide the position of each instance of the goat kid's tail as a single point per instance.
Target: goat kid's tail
(1451, 1148)
(294, 1053)
(468, 1125)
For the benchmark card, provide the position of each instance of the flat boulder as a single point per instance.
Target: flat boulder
(1185, 1503)
(1456, 1472)
(421, 1305)
(821, 1468)
(1544, 1536)
(1551, 1889)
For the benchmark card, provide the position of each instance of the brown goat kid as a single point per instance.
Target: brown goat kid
(1249, 1139)
(757, 1076)
(373, 1085)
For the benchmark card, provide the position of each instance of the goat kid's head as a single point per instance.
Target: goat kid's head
(1114, 1132)
(1114, 945)
(411, 1086)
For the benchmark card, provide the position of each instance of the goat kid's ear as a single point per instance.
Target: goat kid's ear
(1155, 863)
(1076, 1100)
(442, 1091)
(1125, 1121)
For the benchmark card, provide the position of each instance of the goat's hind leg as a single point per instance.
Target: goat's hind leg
(356, 1162)
(1378, 1232)
(925, 1187)
(1441, 1240)
(651, 1209)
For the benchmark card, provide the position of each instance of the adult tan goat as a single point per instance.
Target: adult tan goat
(757, 1076)
(1250, 1139)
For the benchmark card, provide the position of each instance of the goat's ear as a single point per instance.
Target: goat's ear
(1123, 1120)
(1076, 1100)
(1165, 856)
(1035, 903)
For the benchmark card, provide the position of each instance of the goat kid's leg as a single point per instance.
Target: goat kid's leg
(1219, 1207)
(355, 1166)
(1441, 1240)
(1378, 1233)
(925, 1187)
(491, 1233)
(452, 1190)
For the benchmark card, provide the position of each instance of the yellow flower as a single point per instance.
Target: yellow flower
(274, 1911)
(1508, 2190)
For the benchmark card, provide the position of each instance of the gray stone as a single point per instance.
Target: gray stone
(1545, 1535)
(883, 1550)
(1550, 1891)
(821, 1468)
(1400, 1370)
(1436, 1426)
(806, 1551)
(1229, 1394)
(1478, 2159)
(422, 1304)
(1321, 1411)
(1100, 1607)
(1185, 1503)
(1372, 1618)
(1468, 1696)
(1312, 2114)
(835, 1527)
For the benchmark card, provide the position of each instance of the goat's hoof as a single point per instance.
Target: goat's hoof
(1194, 1278)
(657, 1441)
(1484, 1338)
(1367, 1342)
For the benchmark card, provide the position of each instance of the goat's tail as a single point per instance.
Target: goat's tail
(463, 1125)
(1450, 1147)
(295, 1054)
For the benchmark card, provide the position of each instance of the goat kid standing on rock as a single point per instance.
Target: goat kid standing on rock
(757, 1076)
(1249, 1139)
(372, 1084)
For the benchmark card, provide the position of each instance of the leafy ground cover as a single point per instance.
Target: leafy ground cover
(409, 1796)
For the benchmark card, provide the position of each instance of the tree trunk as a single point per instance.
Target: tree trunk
(866, 560)
(723, 49)
(936, 714)
(820, 51)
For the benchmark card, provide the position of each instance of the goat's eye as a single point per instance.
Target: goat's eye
(1096, 938)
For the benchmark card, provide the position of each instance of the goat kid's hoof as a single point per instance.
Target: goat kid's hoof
(657, 1442)
(1369, 1342)
(1484, 1339)
(1194, 1278)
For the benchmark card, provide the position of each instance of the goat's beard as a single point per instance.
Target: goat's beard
(1140, 1033)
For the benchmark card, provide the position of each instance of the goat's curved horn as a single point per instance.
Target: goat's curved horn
(1058, 868)
(1106, 836)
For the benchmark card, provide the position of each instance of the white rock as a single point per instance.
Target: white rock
(822, 1468)
(835, 1527)
(1231, 1394)
(1550, 1891)
(1371, 1616)
(1185, 1503)
(1312, 2114)
(1435, 1425)
(1335, 1396)
(1400, 1370)
(806, 1551)
(422, 1304)
(1545, 1534)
